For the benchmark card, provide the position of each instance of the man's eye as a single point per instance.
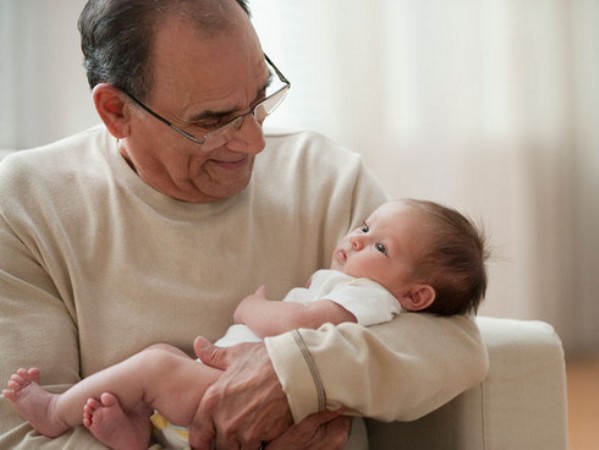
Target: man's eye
(209, 126)
(381, 247)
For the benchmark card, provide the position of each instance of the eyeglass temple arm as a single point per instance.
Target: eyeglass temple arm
(163, 120)
(277, 71)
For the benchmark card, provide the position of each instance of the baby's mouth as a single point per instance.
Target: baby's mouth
(341, 255)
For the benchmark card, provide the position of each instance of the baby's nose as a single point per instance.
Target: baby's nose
(356, 243)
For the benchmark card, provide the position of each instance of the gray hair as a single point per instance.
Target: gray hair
(117, 36)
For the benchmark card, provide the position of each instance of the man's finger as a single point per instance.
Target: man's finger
(323, 417)
(219, 357)
(201, 436)
(210, 354)
(327, 430)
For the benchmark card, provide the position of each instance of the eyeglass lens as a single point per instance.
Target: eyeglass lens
(260, 112)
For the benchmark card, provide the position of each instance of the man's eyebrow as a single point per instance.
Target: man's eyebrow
(210, 115)
(220, 115)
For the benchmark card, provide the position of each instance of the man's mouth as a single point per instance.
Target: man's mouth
(231, 165)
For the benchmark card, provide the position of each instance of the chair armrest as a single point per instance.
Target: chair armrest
(521, 404)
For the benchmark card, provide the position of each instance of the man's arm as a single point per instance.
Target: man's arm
(36, 330)
(400, 370)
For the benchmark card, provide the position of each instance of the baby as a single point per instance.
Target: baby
(409, 255)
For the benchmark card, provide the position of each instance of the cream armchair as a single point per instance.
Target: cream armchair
(521, 404)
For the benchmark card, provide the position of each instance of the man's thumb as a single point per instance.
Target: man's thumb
(210, 354)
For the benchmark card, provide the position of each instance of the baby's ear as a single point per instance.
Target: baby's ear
(417, 297)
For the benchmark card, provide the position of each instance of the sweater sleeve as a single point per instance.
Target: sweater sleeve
(37, 331)
(400, 370)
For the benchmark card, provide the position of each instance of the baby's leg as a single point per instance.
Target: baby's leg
(172, 383)
(34, 403)
(52, 415)
(155, 370)
(116, 428)
(152, 377)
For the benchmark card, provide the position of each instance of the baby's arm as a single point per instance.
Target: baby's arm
(270, 318)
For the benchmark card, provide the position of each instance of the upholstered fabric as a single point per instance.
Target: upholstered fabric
(521, 404)
(4, 153)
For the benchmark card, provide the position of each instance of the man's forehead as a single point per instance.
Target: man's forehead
(208, 67)
(226, 110)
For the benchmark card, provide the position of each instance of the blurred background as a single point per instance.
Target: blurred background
(490, 106)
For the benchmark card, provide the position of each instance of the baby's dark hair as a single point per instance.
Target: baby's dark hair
(454, 260)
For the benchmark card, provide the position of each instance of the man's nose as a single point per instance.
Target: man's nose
(249, 138)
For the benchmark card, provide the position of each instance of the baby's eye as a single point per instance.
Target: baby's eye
(365, 229)
(381, 247)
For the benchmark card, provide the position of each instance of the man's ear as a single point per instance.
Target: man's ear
(417, 297)
(112, 108)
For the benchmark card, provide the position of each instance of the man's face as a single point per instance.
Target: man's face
(199, 83)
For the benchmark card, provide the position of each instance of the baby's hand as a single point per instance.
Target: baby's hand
(248, 302)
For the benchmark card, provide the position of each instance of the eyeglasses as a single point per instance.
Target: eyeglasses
(224, 133)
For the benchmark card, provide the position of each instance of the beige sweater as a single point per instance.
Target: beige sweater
(95, 265)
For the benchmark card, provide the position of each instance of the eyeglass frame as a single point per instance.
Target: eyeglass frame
(239, 119)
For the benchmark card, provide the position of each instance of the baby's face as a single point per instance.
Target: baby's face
(385, 248)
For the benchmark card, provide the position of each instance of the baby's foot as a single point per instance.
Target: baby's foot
(113, 427)
(20, 380)
(33, 402)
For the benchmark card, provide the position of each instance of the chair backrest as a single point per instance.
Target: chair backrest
(4, 153)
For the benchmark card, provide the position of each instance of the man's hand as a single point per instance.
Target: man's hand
(327, 430)
(246, 406)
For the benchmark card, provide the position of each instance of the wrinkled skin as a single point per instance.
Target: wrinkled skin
(247, 406)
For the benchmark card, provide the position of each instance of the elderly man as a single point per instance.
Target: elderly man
(153, 226)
